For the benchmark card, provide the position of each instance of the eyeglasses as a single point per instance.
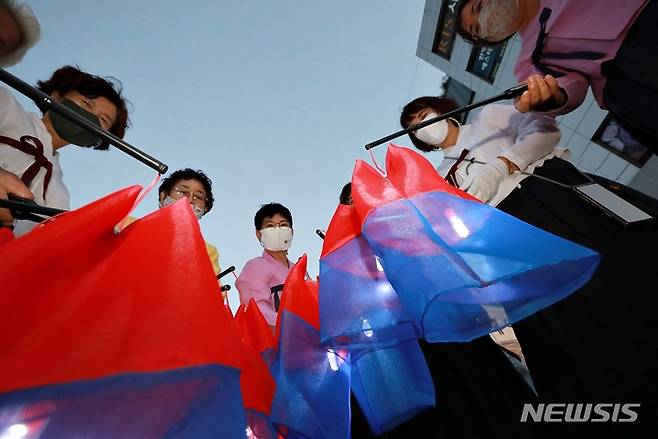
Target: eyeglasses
(273, 225)
(197, 198)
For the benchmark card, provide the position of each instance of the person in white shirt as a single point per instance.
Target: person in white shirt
(19, 31)
(29, 143)
(500, 141)
(577, 349)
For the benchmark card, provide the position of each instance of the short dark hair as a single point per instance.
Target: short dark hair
(69, 78)
(346, 194)
(469, 38)
(438, 104)
(268, 211)
(169, 182)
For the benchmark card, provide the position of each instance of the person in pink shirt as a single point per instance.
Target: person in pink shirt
(568, 46)
(262, 277)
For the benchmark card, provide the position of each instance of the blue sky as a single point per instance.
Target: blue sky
(273, 99)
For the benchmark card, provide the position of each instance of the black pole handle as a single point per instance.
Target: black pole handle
(24, 208)
(320, 233)
(510, 93)
(230, 269)
(44, 100)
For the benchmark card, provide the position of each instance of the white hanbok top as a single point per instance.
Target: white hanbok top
(525, 139)
(16, 123)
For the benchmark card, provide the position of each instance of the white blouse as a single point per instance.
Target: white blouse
(525, 139)
(15, 122)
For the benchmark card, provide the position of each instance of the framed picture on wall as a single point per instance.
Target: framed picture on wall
(484, 61)
(615, 138)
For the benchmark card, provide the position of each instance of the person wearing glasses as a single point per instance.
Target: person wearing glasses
(196, 186)
(262, 277)
(569, 46)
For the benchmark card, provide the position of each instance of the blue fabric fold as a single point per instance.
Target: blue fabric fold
(359, 309)
(463, 269)
(392, 385)
(193, 402)
(312, 384)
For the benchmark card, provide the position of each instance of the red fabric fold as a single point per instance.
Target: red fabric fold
(299, 297)
(343, 227)
(254, 328)
(370, 189)
(81, 302)
(413, 174)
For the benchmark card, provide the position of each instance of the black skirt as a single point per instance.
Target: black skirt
(479, 394)
(600, 344)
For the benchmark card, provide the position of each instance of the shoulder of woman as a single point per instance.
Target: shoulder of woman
(8, 101)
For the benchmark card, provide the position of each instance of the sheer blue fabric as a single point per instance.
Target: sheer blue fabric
(464, 269)
(312, 384)
(358, 306)
(194, 402)
(392, 385)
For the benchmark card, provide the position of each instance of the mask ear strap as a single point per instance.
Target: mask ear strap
(456, 122)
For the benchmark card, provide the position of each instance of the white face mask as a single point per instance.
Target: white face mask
(497, 19)
(198, 212)
(433, 134)
(276, 239)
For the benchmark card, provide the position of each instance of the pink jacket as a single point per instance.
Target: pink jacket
(257, 277)
(578, 25)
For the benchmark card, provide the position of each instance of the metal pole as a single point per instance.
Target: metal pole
(42, 99)
(230, 269)
(510, 93)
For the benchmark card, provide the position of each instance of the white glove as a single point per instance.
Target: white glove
(484, 183)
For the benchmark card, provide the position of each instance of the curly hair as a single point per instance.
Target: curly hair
(69, 78)
(169, 183)
(438, 104)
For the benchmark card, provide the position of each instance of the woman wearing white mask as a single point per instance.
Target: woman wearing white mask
(483, 158)
(573, 348)
(262, 277)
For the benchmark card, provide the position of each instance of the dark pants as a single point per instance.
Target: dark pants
(631, 90)
(599, 345)
(479, 394)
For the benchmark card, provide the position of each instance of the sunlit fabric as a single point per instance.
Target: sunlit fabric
(358, 307)
(107, 335)
(392, 384)
(312, 382)
(462, 269)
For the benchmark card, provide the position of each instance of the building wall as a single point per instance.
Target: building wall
(578, 127)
